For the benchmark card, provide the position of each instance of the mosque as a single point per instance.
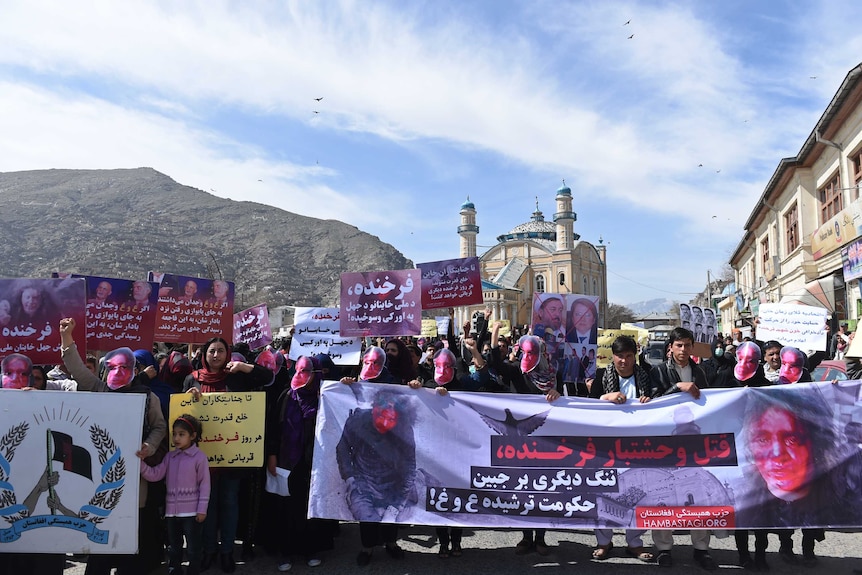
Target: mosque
(535, 257)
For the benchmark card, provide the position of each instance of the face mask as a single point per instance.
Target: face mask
(304, 373)
(121, 368)
(372, 363)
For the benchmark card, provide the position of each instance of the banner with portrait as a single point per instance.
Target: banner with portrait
(451, 283)
(193, 310)
(69, 475)
(318, 330)
(701, 321)
(568, 324)
(30, 314)
(387, 303)
(251, 326)
(772, 457)
(120, 313)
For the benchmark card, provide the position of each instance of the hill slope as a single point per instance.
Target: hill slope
(123, 223)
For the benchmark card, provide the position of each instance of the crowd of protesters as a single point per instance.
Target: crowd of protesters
(230, 505)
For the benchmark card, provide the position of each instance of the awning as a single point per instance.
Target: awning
(819, 293)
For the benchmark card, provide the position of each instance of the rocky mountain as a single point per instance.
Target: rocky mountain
(124, 223)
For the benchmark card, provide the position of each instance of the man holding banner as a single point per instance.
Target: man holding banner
(623, 380)
(680, 374)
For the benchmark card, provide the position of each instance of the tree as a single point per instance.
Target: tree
(618, 314)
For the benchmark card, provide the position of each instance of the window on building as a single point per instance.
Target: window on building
(764, 253)
(791, 228)
(856, 172)
(540, 283)
(584, 291)
(831, 199)
(595, 287)
(562, 278)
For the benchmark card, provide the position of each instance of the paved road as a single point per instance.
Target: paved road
(492, 553)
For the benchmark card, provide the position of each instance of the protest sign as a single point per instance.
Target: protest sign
(604, 355)
(120, 313)
(91, 443)
(794, 325)
(515, 461)
(442, 324)
(193, 310)
(317, 330)
(429, 328)
(233, 425)
(251, 326)
(568, 323)
(385, 303)
(450, 283)
(30, 313)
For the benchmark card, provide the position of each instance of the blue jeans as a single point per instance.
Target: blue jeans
(193, 531)
(222, 514)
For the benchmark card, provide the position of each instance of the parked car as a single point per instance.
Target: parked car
(655, 353)
(830, 370)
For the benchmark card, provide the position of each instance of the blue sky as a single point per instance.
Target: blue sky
(425, 103)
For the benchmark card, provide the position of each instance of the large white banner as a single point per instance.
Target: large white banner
(317, 330)
(783, 456)
(69, 475)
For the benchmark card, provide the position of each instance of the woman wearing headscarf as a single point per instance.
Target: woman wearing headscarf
(450, 376)
(121, 378)
(217, 375)
(532, 375)
(399, 360)
(290, 445)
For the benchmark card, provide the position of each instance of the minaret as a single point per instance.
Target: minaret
(468, 229)
(565, 219)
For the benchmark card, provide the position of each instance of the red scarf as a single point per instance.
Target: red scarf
(211, 381)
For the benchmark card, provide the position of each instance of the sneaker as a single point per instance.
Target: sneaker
(314, 562)
(705, 560)
(284, 566)
(664, 559)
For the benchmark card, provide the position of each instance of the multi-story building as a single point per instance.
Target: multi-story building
(801, 239)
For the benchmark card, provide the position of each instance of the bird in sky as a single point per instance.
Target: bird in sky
(700, 165)
(319, 99)
(717, 171)
(315, 111)
(813, 77)
(627, 23)
(632, 36)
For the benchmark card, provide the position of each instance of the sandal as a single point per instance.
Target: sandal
(602, 552)
(444, 551)
(641, 554)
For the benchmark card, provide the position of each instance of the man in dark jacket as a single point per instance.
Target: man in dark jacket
(680, 374)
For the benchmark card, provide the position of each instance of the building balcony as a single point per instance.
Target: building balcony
(468, 228)
(562, 216)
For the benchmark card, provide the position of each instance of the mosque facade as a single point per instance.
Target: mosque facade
(538, 256)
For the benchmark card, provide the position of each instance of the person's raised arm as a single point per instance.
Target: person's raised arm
(87, 380)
